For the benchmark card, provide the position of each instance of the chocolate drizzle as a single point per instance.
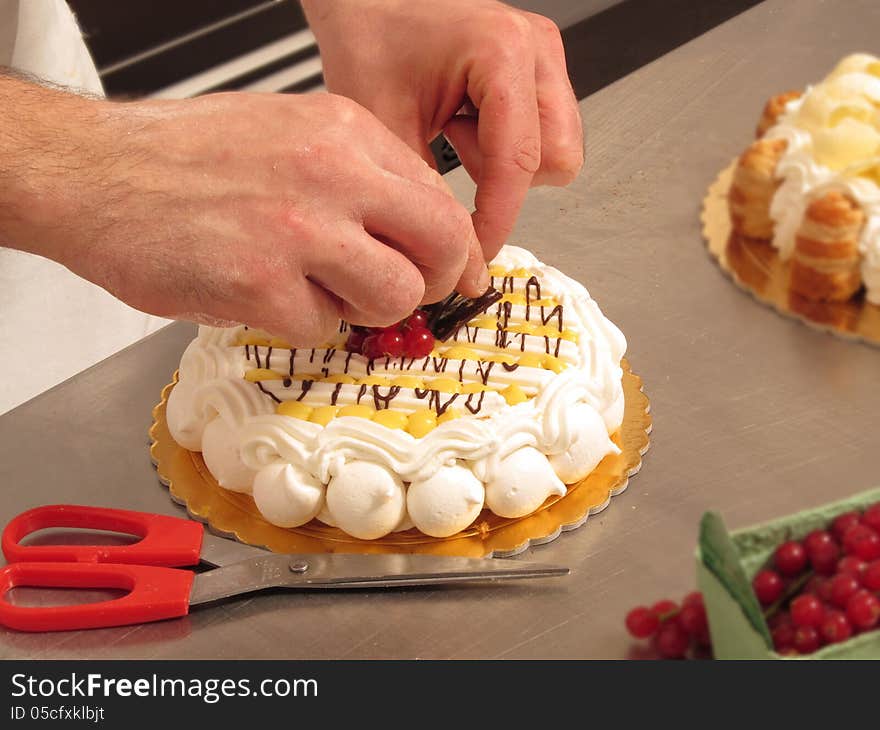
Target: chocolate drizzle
(381, 401)
(305, 387)
(446, 319)
(434, 400)
(532, 282)
(270, 394)
(471, 408)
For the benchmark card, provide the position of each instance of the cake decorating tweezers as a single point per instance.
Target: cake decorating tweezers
(157, 589)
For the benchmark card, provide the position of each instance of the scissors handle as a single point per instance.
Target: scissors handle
(167, 541)
(154, 594)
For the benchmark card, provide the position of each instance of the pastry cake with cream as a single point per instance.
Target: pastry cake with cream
(809, 184)
(401, 431)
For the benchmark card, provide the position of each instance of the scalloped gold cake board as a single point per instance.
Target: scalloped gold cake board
(235, 515)
(755, 266)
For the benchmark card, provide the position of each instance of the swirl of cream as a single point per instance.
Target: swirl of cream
(446, 502)
(287, 495)
(366, 500)
(348, 438)
(222, 455)
(202, 362)
(266, 440)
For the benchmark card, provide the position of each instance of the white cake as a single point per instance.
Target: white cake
(518, 403)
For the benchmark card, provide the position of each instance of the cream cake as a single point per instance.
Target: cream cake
(809, 184)
(516, 404)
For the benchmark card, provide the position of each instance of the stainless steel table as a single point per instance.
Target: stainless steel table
(755, 415)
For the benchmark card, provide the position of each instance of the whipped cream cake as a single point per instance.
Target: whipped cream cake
(517, 403)
(810, 185)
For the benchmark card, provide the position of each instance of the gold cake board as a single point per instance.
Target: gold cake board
(755, 266)
(235, 515)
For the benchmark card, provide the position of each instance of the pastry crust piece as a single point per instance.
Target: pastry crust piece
(825, 263)
(753, 187)
(772, 109)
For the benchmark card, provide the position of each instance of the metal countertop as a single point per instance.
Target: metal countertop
(754, 415)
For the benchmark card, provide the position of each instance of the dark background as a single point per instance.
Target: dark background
(142, 47)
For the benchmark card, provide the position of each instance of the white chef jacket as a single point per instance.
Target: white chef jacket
(53, 324)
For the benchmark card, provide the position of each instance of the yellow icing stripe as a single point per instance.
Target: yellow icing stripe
(520, 298)
(418, 423)
(500, 272)
(259, 374)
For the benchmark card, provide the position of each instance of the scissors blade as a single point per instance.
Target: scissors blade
(357, 571)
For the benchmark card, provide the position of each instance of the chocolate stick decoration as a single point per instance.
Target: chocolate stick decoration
(445, 317)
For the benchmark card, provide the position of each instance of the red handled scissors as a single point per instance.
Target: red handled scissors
(157, 589)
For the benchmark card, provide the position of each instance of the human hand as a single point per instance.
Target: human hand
(415, 64)
(281, 212)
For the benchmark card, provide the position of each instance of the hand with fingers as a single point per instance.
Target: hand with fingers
(416, 65)
(281, 212)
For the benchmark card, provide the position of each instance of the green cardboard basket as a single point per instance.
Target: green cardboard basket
(726, 564)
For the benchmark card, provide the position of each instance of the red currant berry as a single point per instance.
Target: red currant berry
(695, 598)
(863, 610)
(783, 637)
(870, 578)
(665, 609)
(693, 620)
(836, 627)
(843, 522)
(816, 539)
(807, 610)
(790, 558)
(871, 517)
(822, 551)
(768, 586)
(642, 622)
(387, 343)
(862, 542)
(417, 319)
(672, 641)
(806, 639)
(843, 587)
(418, 342)
(851, 564)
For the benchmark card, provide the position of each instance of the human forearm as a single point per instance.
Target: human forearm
(49, 147)
(257, 208)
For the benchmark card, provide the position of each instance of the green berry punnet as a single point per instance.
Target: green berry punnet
(728, 562)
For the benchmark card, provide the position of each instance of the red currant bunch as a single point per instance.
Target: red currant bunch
(675, 629)
(826, 588)
(408, 338)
